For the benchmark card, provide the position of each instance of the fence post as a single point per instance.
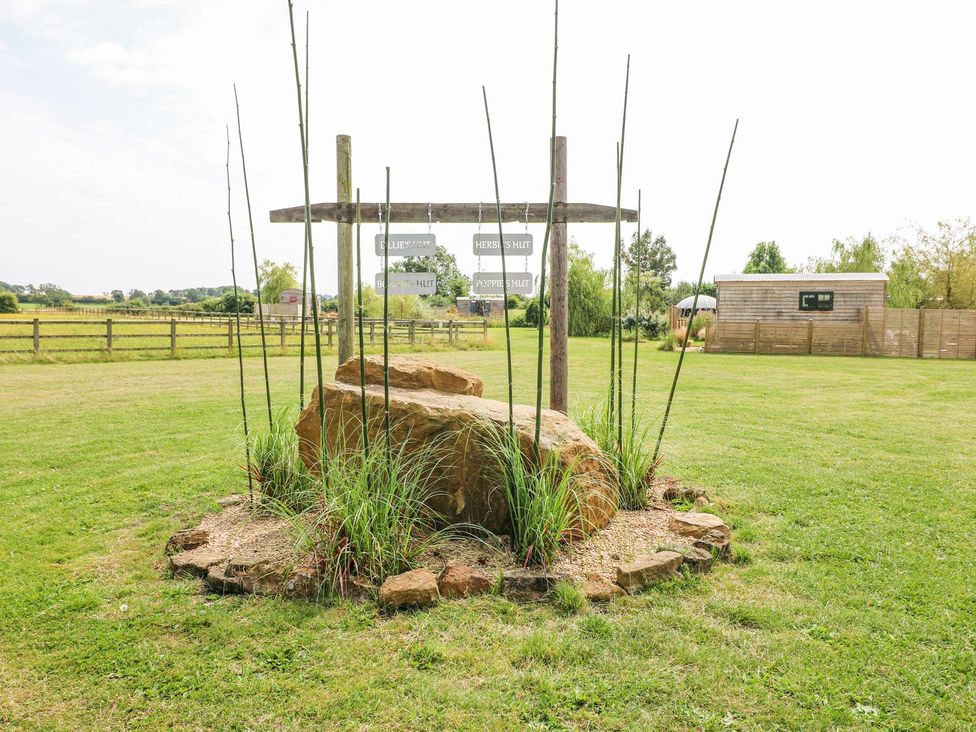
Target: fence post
(864, 331)
(37, 336)
(810, 337)
(282, 333)
(432, 332)
(450, 332)
(329, 332)
(411, 331)
(372, 332)
(230, 334)
(756, 336)
(172, 337)
(921, 331)
(484, 330)
(108, 335)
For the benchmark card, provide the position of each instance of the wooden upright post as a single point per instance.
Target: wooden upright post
(864, 333)
(344, 249)
(559, 295)
(37, 336)
(108, 335)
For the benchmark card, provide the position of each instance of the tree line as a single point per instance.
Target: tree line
(926, 268)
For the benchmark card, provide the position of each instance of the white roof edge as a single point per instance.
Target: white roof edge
(803, 277)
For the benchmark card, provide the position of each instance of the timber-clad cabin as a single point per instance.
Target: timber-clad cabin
(835, 297)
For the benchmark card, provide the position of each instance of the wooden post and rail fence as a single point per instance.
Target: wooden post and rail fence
(41, 335)
(897, 332)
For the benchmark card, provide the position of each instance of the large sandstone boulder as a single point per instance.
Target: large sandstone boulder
(408, 372)
(445, 410)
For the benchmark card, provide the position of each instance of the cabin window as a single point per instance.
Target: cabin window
(816, 301)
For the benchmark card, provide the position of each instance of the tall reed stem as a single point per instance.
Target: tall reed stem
(633, 383)
(240, 351)
(301, 346)
(618, 277)
(501, 243)
(694, 302)
(311, 249)
(386, 323)
(545, 242)
(254, 253)
(362, 346)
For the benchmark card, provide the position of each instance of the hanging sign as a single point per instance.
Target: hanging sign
(486, 245)
(490, 283)
(408, 283)
(408, 245)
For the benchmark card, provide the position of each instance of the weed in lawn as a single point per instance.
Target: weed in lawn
(423, 657)
(740, 555)
(595, 626)
(567, 598)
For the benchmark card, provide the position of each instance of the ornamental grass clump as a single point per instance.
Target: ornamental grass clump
(373, 520)
(631, 462)
(541, 502)
(285, 484)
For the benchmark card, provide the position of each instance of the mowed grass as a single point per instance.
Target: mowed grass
(849, 484)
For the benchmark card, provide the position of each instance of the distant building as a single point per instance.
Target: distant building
(290, 304)
(480, 307)
(799, 296)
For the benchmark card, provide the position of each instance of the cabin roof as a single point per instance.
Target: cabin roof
(804, 277)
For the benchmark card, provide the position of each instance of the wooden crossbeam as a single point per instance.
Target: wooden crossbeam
(455, 213)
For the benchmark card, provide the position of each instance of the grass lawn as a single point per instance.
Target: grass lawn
(849, 482)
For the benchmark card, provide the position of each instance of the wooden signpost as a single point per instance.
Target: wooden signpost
(343, 214)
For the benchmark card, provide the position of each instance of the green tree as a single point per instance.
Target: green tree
(8, 303)
(275, 279)
(766, 258)
(656, 259)
(50, 295)
(854, 255)
(683, 289)
(907, 287)
(946, 258)
(118, 296)
(451, 283)
(589, 297)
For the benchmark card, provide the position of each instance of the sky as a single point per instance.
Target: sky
(855, 117)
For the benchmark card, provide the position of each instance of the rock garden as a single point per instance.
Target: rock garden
(439, 496)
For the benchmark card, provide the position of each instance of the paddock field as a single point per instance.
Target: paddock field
(849, 483)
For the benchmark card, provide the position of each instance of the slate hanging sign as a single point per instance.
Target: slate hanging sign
(516, 245)
(408, 283)
(490, 283)
(408, 245)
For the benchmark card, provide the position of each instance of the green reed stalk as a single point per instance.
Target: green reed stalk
(386, 323)
(254, 252)
(311, 249)
(240, 351)
(694, 303)
(362, 346)
(501, 243)
(301, 347)
(618, 275)
(545, 242)
(633, 383)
